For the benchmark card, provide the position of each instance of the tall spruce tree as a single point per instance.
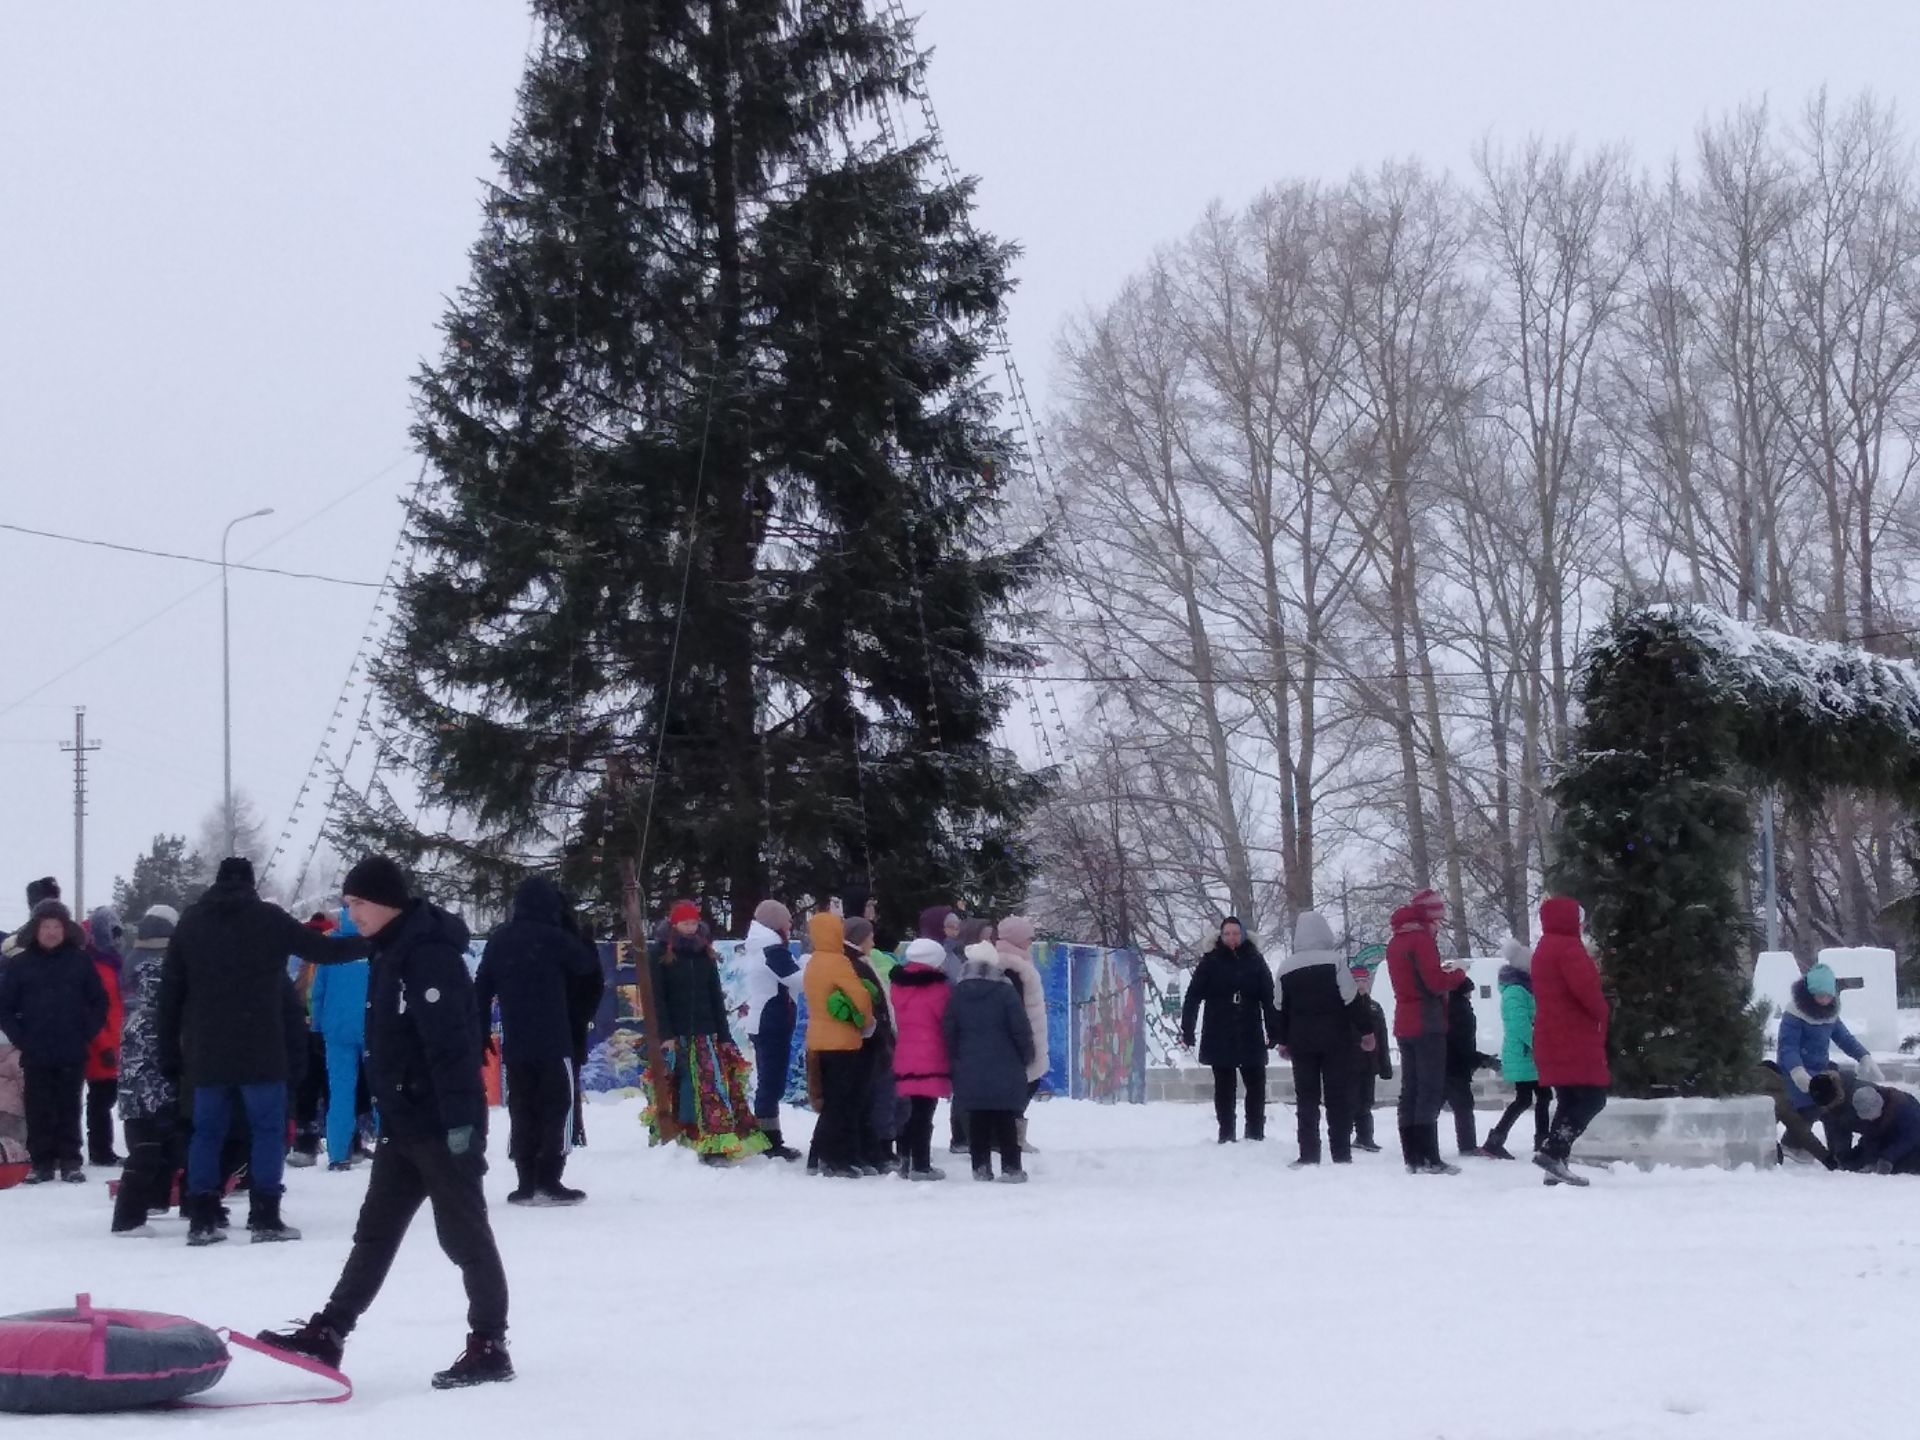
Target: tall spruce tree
(706, 551)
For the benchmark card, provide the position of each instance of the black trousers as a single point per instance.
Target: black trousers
(1527, 1095)
(842, 1110)
(1460, 1101)
(1360, 1088)
(156, 1151)
(539, 1096)
(1255, 1079)
(101, 1095)
(917, 1137)
(957, 1124)
(1318, 1073)
(53, 1115)
(1423, 1079)
(1575, 1107)
(407, 1174)
(309, 1098)
(990, 1130)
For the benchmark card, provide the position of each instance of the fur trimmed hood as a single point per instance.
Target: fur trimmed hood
(1808, 1010)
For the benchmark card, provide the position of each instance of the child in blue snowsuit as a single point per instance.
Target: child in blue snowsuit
(339, 1002)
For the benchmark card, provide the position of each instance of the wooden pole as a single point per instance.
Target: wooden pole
(666, 1121)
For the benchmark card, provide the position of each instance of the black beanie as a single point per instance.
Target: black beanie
(235, 869)
(44, 889)
(379, 881)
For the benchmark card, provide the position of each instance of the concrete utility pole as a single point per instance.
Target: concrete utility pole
(226, 670)
(80, 747)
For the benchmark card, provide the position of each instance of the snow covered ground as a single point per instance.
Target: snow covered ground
(1148, 1283)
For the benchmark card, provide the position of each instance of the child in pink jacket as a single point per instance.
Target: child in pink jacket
(920, 994)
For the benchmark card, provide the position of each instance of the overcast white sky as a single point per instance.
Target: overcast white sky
(229, 228)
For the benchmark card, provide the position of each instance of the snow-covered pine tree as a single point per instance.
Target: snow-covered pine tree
(713, 477)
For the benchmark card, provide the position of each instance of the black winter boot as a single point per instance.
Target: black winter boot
(203, 1219)
(1432, 1164)
(522, 1194)
(482, 1363)
(264, 1222)
(780, 1149)
(551, 1192)
(317, 1339)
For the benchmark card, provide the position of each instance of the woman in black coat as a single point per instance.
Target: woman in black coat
(1235, 987)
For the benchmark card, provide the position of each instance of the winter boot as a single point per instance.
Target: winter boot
(1020, 1128)
(1430, 1148)
(1013, 1177)
(73, 1174)
(779, 1150)
(39, 1175)
(264, 1222)
(203, 1219)
(483, 1362)
(522, 1194)
(1410, 1150)
(983, 1173)
(129, 1214)
(302, 1160)
(317, 1339)
(930, 1173)
(1558, 1171)
(550, 1190)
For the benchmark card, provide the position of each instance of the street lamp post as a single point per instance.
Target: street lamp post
(226, 666)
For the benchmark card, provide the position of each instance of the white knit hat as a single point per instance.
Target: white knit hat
(927, 952)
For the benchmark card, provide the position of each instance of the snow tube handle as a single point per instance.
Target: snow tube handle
(299, 1362)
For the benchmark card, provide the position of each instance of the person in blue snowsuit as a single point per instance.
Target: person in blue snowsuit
(339, 1003)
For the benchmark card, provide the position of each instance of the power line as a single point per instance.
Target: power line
(190, 559)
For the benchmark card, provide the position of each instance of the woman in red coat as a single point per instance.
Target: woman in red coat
(1569, 1034)
(103, 1055)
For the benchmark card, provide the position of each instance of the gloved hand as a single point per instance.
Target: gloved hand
(110, 1059)
(460, 1139)
(1800, 1078)
(1367, 1043)
(1870, 1070)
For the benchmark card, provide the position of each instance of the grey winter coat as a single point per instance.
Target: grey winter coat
(989, 1042)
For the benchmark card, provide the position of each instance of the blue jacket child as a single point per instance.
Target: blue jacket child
(1809, 1029)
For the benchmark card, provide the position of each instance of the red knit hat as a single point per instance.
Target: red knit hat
(1429, 901)
(683, 912)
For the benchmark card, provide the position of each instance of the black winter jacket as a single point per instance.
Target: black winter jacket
(223, 987)
(686, 980)
(1380, 1058)
(1236, 989)
(423, 1029)
(547, 978)
(989, 1040)
(52, 1003)
(1463, 1040)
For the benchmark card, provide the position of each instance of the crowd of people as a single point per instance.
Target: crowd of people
(1322, 1019)
(958, 1015)
(234, 1040)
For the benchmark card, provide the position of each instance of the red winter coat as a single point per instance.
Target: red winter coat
(1420, 983)
(103, 1055)
(1570, 1018)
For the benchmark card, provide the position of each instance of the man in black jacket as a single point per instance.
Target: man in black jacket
(225, 1003)
(549, 982)
(423, 1062)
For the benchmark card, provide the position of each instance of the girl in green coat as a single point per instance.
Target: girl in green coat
(1516, 1050)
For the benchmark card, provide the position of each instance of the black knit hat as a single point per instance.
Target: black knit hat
(379, 881)
(47, 888)
(235, 869)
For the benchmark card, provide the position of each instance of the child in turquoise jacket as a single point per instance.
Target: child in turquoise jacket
(1516, 1050)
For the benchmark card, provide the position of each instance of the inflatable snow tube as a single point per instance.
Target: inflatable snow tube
(83, 1360)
